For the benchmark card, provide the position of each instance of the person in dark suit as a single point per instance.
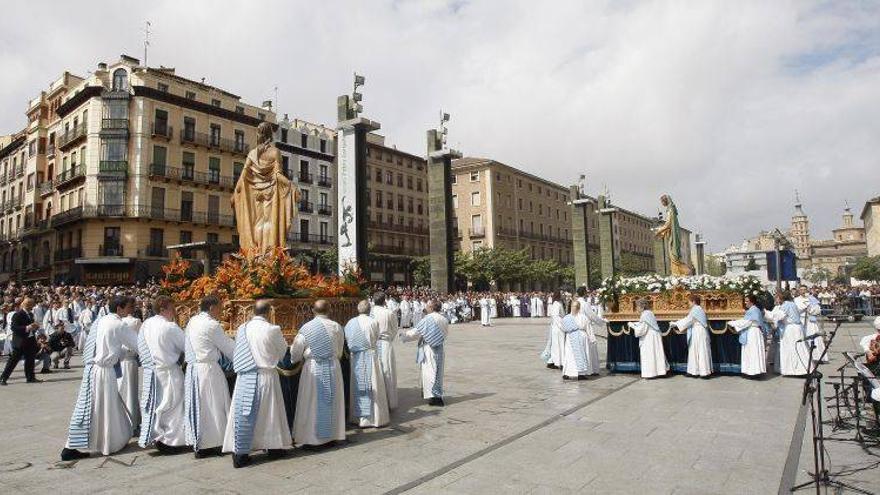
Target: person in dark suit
(24, 342)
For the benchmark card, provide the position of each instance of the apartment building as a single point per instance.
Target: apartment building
(397, 212)
(308, 155)
(124, 163)
(497, 205)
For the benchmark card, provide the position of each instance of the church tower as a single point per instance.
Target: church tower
(800, 229)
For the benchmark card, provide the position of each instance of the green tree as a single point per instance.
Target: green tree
(715, 266)
(421, 270)
(867, 268)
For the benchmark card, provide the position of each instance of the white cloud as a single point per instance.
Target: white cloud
(728, 106)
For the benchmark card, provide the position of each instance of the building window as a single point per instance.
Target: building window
(477, 223)
(157, 203)
(323, 143)
(159, 160)
(237, 167)
(475, 176)
(378, 199)
(409, 182)
(215, 102)
(419, 184)
(399, 180)
(215, 135)
(239, 141)
(157, 242)
(285, 166)
(190, 95)
(475, 198)
(120, 80)
(283, 135)
(186, 206)
(189, 165)
(304, 140)
(214, 170)
(112, 238)
(189, 129)
(162, 87)
(389, 178)
(213, 209)
(378, 175)
(186, 236)
(239, 109)
(455, 200)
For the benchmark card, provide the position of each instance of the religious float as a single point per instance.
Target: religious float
(722, 299)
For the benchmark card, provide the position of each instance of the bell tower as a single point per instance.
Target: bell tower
(800, 229)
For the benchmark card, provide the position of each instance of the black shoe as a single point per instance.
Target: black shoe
(168, 449)
(45, 371)
(276, 453)
(56, 366)
(435, 401)
(240, 461)
(66, 366)
(201, 454)
(72, 454)
(550, 366)
(582, 377)
(3, 383)
(34, 380)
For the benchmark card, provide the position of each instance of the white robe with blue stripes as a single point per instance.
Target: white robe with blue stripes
(379, 402)
(305, 424)
(431, 366)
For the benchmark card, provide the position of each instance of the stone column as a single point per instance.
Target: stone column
(608, 256)
(351, 180)
(440, 212)
(700, 263)
(580, 222)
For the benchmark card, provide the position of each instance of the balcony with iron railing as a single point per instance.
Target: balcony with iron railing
(189, 136)
(307, 238)
(3, 178)
(72, 136)
(111, 249)
(160, 171)
(114, 167)
(19, 171)
(305, 178)
(50, 150)
(114, 124)
(324, 181)
(156, 251)
(393, 227)
(47, 187)
(306, 206)
(505, 232)
(67, 254)
(69, 176)
(405, 251)
(161, 129)
(325, 210)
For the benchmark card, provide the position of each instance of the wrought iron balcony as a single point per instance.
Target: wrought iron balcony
(161, 129)
(156, 251)
(189, 175)
(476, 233)
(325, 210)
(114, 167)
(307, 238)
(189, 136)
(111, 249)
(70, 175)
(306, 207)
(114, 124)
(47, 188)
(305, 178)
(68, 253)
(50, 150)
(324, 181)
(72, 136)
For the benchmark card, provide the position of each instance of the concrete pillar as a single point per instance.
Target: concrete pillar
(440, 212)
(351, 179)
(700, 244)
(609, 262)
(579, 237)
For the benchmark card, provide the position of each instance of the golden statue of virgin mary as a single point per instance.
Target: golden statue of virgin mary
(264, 198)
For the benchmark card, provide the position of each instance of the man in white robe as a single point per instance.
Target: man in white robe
(493, 307)
(257, 420)
(810, 309)
(160, 346)
(652, 357)
(539, 305)
(320, 403)
(369, 404)
(86, 318)
(556, 337)
(129, 385)
(696, 323)
(418, 310)
(406, 312)
(206, 402)
(485, 312)
(100, 423)
(513, 302)
(431, 334)
(385, 346)
(575, 360)
(590, 322)
(793, 353)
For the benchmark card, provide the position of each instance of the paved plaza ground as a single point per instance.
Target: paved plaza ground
(510, 426)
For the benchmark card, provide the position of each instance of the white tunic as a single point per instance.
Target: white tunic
(493, 307)
(380, 414)
(209, 342)
(385, 349)
(569, 363)
(808, 312)
(591, 322)
(111, 427)
(485, 315)
(305, 431)
(513, 302)
(429, 367)
(271, 430)
(539, 306)
(792, 355)
(557, 336)
(652, 357)
(754, 358)
(406, 313)
(129, 385)
(165, 340)
(699, 347)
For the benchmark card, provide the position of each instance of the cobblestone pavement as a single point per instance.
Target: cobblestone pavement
(510, 426)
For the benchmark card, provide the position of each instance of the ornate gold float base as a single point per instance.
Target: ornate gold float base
(289, 313)
(673, 305)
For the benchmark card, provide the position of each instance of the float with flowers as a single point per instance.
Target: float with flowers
(721, 297)
(244, 277)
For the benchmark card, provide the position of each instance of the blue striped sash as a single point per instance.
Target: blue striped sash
(432, 336)
(321, 346)
(148, 393)
(191, 395)
(246, 403)
(81, 420)
(362, 365)
(576, 341)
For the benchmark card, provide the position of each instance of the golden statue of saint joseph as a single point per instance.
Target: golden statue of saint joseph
(263, 199)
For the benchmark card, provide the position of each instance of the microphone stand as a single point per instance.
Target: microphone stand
(813, 395)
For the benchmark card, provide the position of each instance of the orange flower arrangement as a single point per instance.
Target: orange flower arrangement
(249, 275)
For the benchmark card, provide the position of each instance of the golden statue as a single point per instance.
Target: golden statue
(671, 233)
(264, 198)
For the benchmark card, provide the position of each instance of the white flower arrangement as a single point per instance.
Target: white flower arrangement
(743, 284)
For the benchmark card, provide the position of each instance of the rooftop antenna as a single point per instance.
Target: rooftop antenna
(276, 99)
(444, 130)
(146, 40)
(797, 197)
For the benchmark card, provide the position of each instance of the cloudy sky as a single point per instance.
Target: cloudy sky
(727, 106)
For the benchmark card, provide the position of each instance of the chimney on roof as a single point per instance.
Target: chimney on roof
(102, 65)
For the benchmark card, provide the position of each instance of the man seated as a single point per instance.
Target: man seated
(61, 345)
(44, 353)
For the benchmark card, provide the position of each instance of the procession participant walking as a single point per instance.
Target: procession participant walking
(699, 346)
(369, 404)
(320, 403)
(652, 357)
(258, 420)
(385, 347)
(431, 333)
